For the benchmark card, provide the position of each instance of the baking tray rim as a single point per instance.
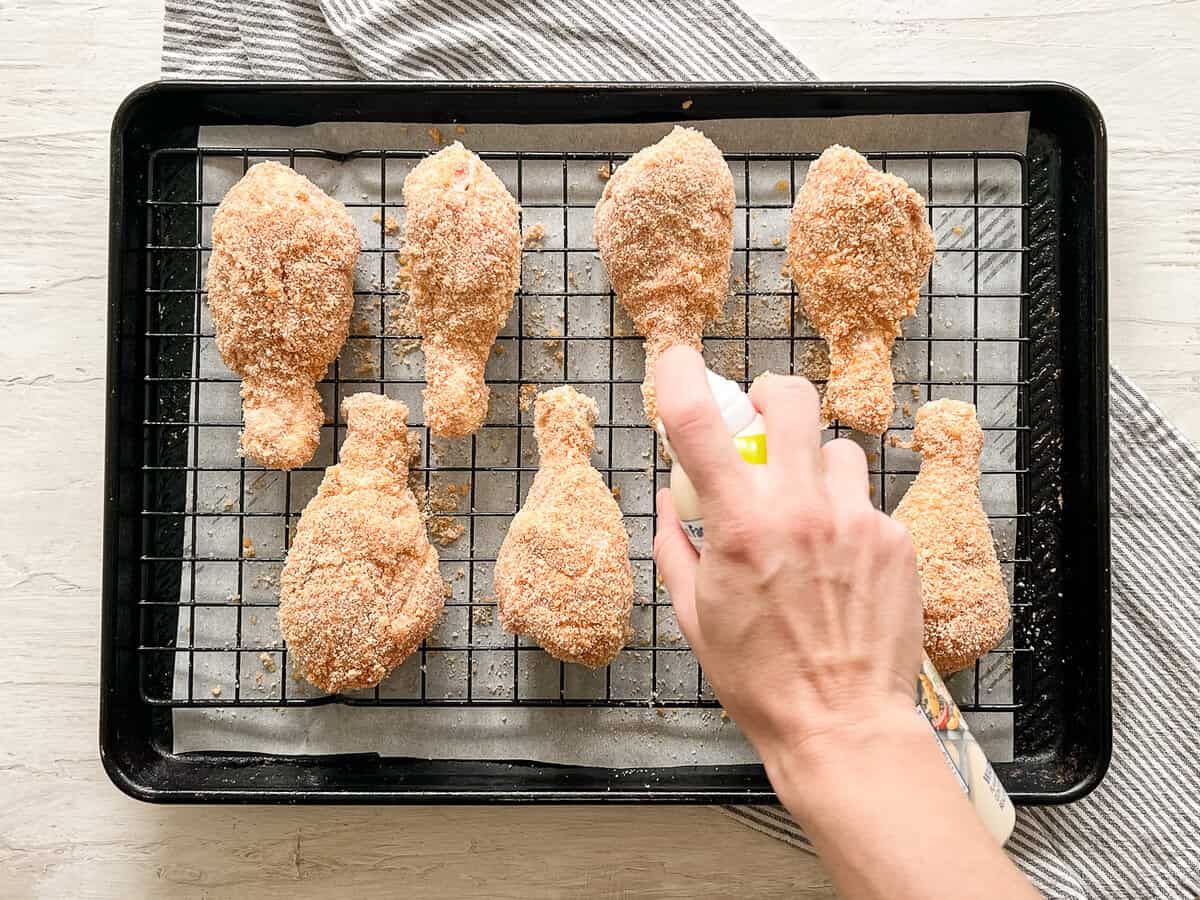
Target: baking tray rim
(125, 778)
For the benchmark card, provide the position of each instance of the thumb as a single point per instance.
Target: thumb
(677, 561)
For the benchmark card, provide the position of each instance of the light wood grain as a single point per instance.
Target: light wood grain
(64, 831)
(1138, 60)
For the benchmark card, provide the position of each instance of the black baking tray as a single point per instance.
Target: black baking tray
(1062, 724)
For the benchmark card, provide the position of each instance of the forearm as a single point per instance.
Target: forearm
(883, 810)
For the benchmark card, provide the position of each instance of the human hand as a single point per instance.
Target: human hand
(804, 607)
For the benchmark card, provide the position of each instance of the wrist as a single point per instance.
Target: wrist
(808, 767)
(877, 800)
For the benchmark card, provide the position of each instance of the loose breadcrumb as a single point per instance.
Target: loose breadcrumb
(444, 530)
(441, 499)
(363, 362)
(268, 661)
(534, 234)
(727, 358)
(216, 691)
(403, 277)
(390, 225)
(266, 579)
(400, 318)
(435, 135)
(604, 171)
(813, 361)
(248, 548)
(460, 129)
(525, 396)
(403, 348)
(686, 104)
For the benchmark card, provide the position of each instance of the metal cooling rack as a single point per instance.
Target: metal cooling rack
(219, 526)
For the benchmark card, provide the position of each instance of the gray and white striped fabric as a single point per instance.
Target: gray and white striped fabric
(486, 40)
(1138, 834)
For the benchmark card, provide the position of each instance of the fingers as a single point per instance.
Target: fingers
(791, 411)
(677, 562)
(846, 476)
(673, 552)
(694, 426)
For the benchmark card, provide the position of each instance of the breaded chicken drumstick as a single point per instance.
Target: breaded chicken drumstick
(962, 587)
(280, 289)
(463, 239)
(562, 576)
(361, 587)
(858, 249)
(664, 227)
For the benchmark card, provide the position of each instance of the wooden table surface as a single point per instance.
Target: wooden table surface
(65, 831)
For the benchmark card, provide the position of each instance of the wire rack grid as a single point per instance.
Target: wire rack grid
(220, 525)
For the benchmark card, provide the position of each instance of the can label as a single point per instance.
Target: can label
(962, 752)
(694, 529)
(752, 447)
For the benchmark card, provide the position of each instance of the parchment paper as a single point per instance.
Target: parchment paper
(618, 738)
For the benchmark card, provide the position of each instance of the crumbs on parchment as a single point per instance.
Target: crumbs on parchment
(526, 394)
(534, 235)
(444, 530)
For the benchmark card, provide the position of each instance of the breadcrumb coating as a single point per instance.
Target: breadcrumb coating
(859, 247)
(962, 586)
(562, 576)
(280, 288)
(463, 240)
(361, 587)
(664, 228)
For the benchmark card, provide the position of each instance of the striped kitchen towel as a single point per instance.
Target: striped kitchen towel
(482, 40)
(1138, 834)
